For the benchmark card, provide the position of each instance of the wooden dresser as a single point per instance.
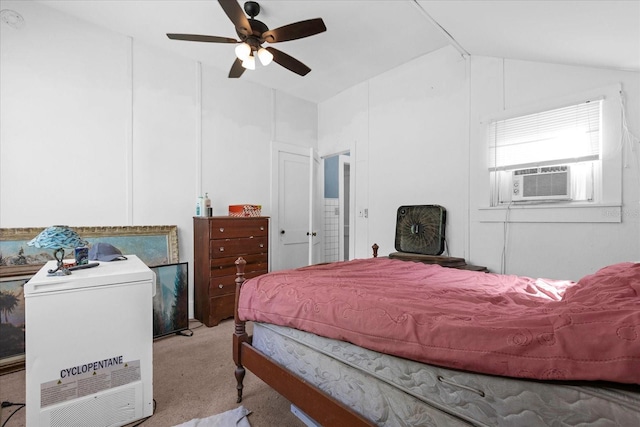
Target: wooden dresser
(217, 242)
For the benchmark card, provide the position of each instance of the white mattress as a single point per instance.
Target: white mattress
(392, 391)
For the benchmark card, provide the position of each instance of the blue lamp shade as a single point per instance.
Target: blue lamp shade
(58, 237)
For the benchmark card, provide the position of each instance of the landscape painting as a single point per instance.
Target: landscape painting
(154, 245)
(12, 323)
(170, 304)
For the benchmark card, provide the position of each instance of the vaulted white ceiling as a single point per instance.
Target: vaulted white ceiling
(366, 38)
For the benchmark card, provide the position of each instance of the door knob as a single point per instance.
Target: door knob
(281, 231)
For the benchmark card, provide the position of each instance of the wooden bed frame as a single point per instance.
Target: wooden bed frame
(314, 402)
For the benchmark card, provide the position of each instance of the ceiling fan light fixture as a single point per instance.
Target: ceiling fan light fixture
(265, 56)
(243, 51)
(252, 33)
(249, 63)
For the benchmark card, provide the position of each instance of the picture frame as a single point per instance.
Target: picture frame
(171, 300)
(153, 244)
(12, 323)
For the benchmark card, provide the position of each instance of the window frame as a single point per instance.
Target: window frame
(608, 206)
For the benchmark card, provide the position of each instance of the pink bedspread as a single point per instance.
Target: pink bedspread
(489, 323)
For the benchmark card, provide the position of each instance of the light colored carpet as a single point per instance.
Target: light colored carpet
(192, 378)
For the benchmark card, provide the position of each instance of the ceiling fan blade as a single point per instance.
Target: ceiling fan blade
(236, 69)
(237, 16)
(294, 31)
(199, 38)
(288, 62)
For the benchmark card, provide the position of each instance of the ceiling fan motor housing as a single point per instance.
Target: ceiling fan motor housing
(257, 29)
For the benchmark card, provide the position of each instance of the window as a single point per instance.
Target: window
(595, 176)
(547, 156)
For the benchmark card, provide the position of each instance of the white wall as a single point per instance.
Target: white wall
(418, 145)
(99, 129)
(64, 114)
(409, 128)
(418, 141)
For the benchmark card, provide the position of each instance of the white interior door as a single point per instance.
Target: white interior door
(294, 193)
(316, 208)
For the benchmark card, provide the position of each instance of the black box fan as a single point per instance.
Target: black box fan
(420, 229)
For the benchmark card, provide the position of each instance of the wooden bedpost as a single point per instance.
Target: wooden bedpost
(375, 248)
(240, 335)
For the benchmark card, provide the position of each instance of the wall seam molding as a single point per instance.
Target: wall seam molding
(198, 125)
(129, 131)
(467, 232)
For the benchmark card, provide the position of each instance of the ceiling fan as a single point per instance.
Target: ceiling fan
(253, 34)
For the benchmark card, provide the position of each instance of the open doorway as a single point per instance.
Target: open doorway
(337, 201)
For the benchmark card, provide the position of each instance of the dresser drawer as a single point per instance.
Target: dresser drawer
(245, 245)
(227, 265)
(220, 308)
(225, 285)
(234, 227)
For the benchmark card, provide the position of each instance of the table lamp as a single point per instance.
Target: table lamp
(58, 237)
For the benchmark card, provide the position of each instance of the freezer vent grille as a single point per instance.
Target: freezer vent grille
(111, 409)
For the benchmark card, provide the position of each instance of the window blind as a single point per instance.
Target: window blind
(563, 135)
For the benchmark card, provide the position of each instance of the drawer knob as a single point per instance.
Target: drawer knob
(221, 248)
(222, 229)
(221, 286)
(261, 245)
(261, 228)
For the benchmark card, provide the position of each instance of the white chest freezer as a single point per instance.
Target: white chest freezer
(89, 338)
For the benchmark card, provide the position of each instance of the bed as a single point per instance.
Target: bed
(389, 342)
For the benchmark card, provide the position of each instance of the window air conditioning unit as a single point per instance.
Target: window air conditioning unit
(544, 183)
